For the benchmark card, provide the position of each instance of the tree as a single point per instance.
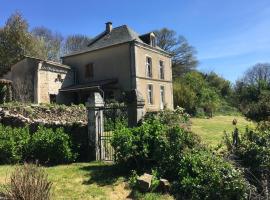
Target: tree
(52, 42)
(75, 43)
(252, 93)
(222, 86)
(257, 73)
(194, 93)
(16, 42)
(183, 55)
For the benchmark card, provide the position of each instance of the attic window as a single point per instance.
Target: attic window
(59, 78)
(153, 41)
(89, 70)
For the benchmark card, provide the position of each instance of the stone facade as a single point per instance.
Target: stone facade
(39, 81)
(117, 61)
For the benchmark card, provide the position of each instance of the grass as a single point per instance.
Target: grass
(212, 130)
(94, 180)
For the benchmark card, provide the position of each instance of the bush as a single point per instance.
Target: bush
(152, 144)
(253, 154)
(203, 175)
(170, 117)
(13, 144)
(45, 145)
(177, 155)
(29, 182)
(50, 147)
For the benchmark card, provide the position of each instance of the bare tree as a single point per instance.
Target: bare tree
(184, 55)
(75, 43)
(259, 72)
(52, 42)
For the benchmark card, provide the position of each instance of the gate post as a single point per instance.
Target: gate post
(135, 107)
(94, 106)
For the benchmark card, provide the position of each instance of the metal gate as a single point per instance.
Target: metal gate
(112, 116)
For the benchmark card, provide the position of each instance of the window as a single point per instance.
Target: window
(52, 98)
(162, 97)
(161, 69)
(89, 70)
(149, 67)
(153, 41)
(150, 94)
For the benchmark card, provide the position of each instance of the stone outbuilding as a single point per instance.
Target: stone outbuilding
(39, 81)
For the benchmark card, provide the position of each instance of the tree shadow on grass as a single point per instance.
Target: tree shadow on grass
(104, 174)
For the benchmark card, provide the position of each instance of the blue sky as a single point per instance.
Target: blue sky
(230, 35)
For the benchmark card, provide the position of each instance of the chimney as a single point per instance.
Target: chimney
(108, 27)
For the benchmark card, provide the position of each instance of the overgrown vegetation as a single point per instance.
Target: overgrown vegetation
(203, 94)
(252, 93)
(45, 145)
(252, 152)
(178, 155)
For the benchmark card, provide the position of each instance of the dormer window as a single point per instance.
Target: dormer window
(152, 41)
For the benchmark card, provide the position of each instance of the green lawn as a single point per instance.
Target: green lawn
(92, 180)
(212, 130)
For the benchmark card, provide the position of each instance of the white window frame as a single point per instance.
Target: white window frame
(163, 69)
(162, 96)
(149, 66)
(150, 98)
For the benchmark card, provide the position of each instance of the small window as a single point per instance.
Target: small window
(89, 70)
(149, 67)
(161, 69)
(162, 97)
(150, 94)
(153, 41)
(52, 98)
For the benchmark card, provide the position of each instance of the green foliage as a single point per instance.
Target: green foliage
(254, 150)
(178, 155)
(132, 181)
(13, 144)
(171, 118)
(203, 175)
(45, 145)
(137, 146)
(51, 147)
(252, 93)
(201, 94)
(16, 41)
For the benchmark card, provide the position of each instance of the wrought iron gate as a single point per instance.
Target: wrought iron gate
(112, 117)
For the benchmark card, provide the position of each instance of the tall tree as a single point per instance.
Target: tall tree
(15, 42)
(184, 55)
(252, 93)
(75, 43)
(52, 42)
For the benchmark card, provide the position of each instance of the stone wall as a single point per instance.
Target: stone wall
(50, 80)
(76, 129)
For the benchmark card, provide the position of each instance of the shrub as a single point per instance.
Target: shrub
(50, 147)
(254, 150)
(203, 175)
(13, 144)
(29, 182)
(170, 117)
(152, 144)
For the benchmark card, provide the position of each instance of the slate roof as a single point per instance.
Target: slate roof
(57, 64)
(118, 35)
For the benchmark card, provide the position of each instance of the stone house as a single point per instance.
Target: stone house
(117, 60)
